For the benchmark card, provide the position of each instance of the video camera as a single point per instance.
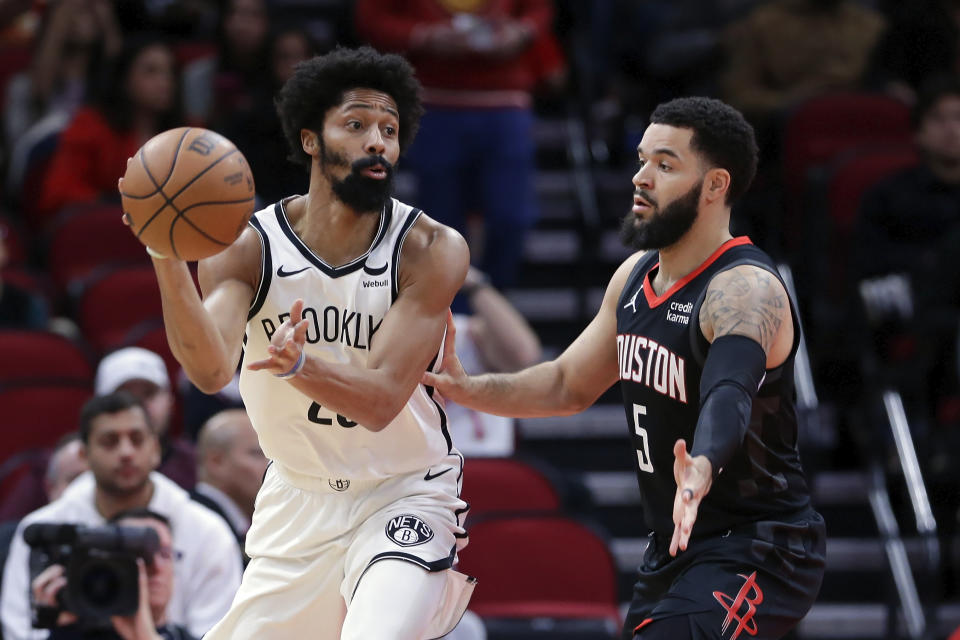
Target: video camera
(100, 566)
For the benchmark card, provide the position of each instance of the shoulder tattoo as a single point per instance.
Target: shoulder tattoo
(750, 302)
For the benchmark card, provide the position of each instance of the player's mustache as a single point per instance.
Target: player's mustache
(640, 193)
(372, 161)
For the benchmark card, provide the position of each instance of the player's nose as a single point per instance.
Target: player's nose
(375, 144)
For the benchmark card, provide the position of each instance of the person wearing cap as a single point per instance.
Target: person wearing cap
(121, 447)
(143, 374)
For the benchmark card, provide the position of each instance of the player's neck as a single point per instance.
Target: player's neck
(332, 230)
(692, 250)
(108, 504)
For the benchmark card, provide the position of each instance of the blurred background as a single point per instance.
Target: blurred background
(534, 111)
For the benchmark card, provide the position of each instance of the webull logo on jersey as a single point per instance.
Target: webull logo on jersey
(408, 530)
(649, 363)
(332, 324)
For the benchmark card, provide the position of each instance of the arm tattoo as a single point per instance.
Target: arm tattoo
(748, 303)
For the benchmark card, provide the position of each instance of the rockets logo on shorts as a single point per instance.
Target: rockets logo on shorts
(408, 530)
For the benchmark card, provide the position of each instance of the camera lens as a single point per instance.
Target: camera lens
(100, 585)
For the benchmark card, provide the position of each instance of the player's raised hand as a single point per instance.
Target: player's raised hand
(450, 377)
(694, 477)
(286, 345)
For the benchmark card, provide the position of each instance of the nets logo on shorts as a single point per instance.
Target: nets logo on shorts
(407, 530)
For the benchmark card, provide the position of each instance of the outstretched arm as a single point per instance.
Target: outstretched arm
(564, 386)
(746, 317)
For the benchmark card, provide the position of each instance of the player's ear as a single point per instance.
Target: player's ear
(309, 141)
(716, 183)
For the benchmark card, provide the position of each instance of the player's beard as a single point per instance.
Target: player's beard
(359, 192)
(663, 228)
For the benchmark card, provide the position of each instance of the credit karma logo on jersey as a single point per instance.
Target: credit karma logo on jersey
(649, 363)
(408, 530)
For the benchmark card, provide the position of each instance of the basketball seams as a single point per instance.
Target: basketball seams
(173, 223)
(176, 155)
(204, 204)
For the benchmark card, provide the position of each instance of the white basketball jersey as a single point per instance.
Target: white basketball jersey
(344, 307)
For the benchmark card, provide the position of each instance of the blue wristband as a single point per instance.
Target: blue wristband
(295, 369)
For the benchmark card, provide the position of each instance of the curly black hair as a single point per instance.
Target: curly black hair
(319, 84)
(720, 134)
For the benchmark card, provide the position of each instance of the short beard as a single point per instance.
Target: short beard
(664, 228)
(357, 191)
(112, 489)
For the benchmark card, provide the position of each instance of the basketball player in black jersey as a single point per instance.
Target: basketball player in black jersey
(699, 329)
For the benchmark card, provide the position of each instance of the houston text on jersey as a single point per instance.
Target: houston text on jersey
(649, 363)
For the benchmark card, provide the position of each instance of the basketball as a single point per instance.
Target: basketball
(188, 193)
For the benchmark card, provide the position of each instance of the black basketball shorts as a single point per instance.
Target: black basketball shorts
(754, 582)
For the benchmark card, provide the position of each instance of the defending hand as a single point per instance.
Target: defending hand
(450, 378)
(694, 477)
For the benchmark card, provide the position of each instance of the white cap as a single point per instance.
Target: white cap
(130, 363)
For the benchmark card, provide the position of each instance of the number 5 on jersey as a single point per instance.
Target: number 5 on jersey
(643, 452)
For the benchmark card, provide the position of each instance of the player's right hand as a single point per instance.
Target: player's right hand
(450, 379)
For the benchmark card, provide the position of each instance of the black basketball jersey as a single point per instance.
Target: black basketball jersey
(661, 353)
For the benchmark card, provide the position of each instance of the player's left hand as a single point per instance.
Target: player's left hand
(694, 477)
(286, 344)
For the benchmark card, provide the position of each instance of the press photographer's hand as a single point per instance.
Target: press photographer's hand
(141, 625)
(45, 588)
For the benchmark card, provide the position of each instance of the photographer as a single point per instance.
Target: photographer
(155, 587)
(122, 449)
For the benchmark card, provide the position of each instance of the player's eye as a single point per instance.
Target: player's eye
(640, 163)
(356, 125)
(390, 130)
(665, 167)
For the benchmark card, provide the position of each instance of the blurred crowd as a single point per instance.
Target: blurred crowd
(857, 108)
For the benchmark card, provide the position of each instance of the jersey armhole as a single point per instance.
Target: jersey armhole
(266, 269)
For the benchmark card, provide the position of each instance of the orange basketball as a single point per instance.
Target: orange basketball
(188, 193)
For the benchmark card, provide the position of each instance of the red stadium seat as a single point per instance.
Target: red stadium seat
(823, 127)
(15, 241)
(28, 356)
(854, 175)
(36, 416)
(546, 566)
(112, 305)
(89, 238)
(502, 485)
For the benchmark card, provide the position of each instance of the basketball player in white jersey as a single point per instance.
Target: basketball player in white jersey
(337, 302)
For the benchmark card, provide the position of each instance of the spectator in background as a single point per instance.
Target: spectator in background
(475, 145)
(256, 130)
(139, 100)
(905, 231)
(75, 38)
(230, 467)
(122, 449)
(74, 42)
(493, 338)
(143, 374)
(155, 589)
(907, 234)
(65, 464)
(19, 308)
(923, 41)
(789, 50)
(216, 88)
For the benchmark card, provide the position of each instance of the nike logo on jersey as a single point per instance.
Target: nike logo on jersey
(283, 274)
(436, 475)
